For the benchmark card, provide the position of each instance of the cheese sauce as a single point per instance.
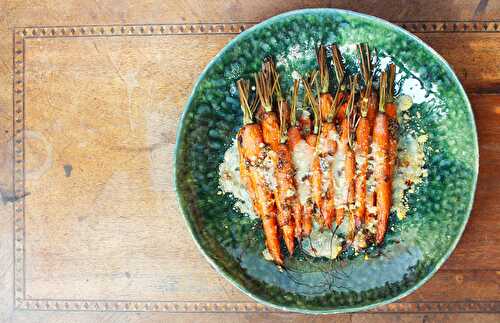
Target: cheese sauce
(302, 157)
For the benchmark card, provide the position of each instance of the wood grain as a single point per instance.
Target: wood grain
(99, 231)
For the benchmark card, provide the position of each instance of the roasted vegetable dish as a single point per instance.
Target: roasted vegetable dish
(326, 165)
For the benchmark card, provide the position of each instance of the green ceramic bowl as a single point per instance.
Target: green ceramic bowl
(439, 208)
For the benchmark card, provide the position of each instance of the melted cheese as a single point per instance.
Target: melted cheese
(267, 168)
(302, 157)
(230, 181)
(340, 183)
(410, 171)
(323, 244)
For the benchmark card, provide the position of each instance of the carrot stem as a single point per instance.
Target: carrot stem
(391, 75)
(265, 83)
(338, 64)
(324, 77)
(243, 88)
(382, 92)
(293, 103)
(313, 100)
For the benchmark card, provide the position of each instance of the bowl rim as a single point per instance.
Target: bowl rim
(180, 128)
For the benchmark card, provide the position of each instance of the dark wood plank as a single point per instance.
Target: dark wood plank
(459, 286)
(474, 57)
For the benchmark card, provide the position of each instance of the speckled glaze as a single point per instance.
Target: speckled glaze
(415, 247)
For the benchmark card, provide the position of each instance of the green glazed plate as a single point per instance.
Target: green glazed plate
(439, 208)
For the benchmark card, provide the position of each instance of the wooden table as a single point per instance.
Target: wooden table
(90, 96)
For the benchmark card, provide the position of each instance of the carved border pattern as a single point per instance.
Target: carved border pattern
(23, 303)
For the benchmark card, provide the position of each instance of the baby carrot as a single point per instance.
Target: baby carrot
(303, 209)
(313, 140)
(252, 153)
(347, 195)
(363, 137)
(391, 111)
(286, 196)
(326, 149)
(284, 191)
(382, 163)
(363, 141)
(290, 212)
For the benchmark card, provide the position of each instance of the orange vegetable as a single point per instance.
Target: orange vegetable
(372, 109)
(363, 142)
(382, 166)
(286, 196)
(274, 134)
(294, 138)
(350, 162)
(391, 111)
(363, 136)
(316, 172)
(326, 149)
(270, 129)
(250, 146)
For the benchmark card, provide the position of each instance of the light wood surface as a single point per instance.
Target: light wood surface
(90, 96)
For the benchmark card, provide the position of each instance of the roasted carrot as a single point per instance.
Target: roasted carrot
(370, 103)
(252, 154)
(341, 114)
(286, 197)
(363, 137)
(274, 133)
(303, 224)
(294, 137)
(391, 111)
(328, 137)
(362, 150)
(347, 195)
(327, 148)
(313, 140)
(302, 210)
(372, 109)
(290, 210)
(382, 163)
